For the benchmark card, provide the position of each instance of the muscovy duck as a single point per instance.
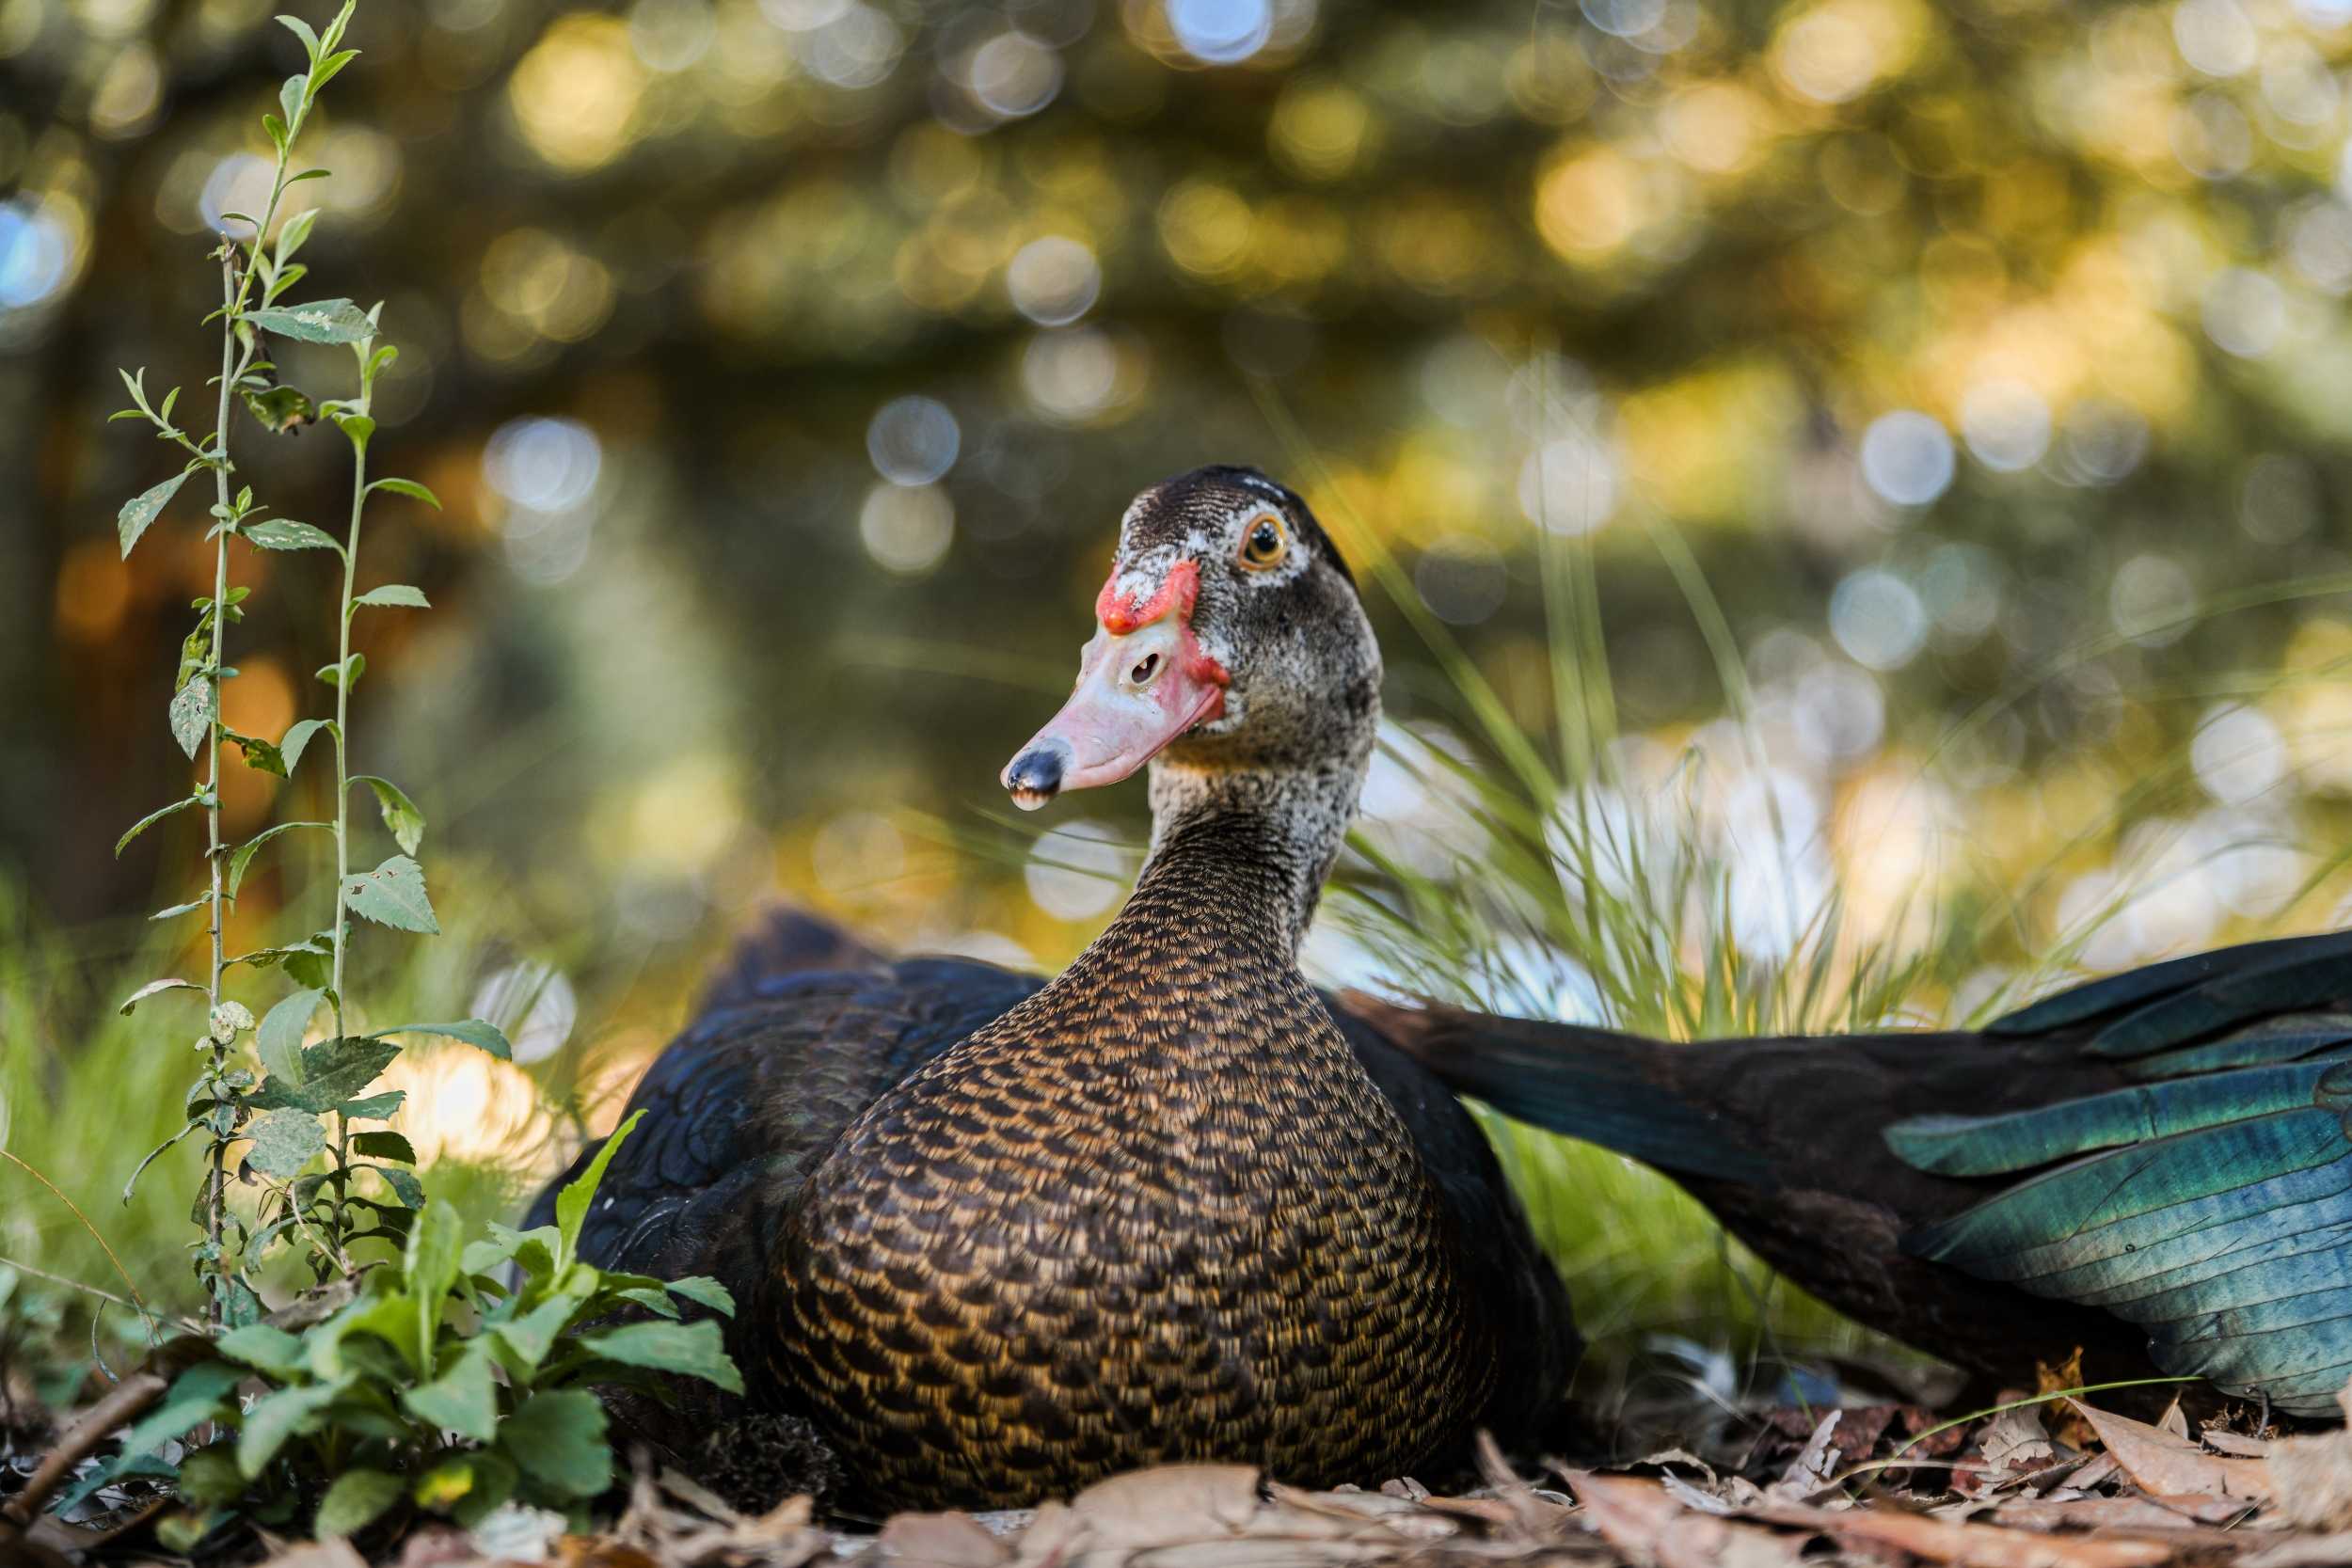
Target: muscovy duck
(996, 1237)
(2155, 1168)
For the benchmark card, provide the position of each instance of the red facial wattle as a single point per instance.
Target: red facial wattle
(1143, 681)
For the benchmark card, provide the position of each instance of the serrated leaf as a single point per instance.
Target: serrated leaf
(558, 1438)
(393, 894)
(284, 534)
(358, 1498)
(156, 988)
(691, 1349)
(463, 1398)
(571, 1204)
(285, 1142)
(279, 1040)
(394, 595)
(276, 1418)
(192, 715)
(704, 1292)
(332, 1072)
(473, 1031)
(375, 1107)
(404, 1184)
(150, 820)
(406, 486)
(144, 508)
(400, 813)
(321, 320)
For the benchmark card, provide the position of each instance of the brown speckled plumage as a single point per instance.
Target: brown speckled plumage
(1158, 1211)
(999, 1240)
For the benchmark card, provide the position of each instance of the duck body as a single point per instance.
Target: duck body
(2154, 1168)
(999, 1238)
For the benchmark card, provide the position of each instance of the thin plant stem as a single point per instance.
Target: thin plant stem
(215, 1194)
(342, 790)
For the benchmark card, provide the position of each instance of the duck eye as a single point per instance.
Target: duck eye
(1264, 543)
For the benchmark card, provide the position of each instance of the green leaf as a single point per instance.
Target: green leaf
(400, 813)
(293, 231)
(350, 670)
(357, 1500)
(280, 410)
(571, 1204)
(230, 1020)
(375, 1107)
(196, 1395)
(653, 1298)
(279, 1041)
(264, 1346)
(297, 739)
(464, 1399)
(156, 988)
(332, 1072)
(556, 1437)
(276, 1418)
(435, 1244)
(691, 1350)
(406, 486)
(143, 509)
(393, 894)
(284, 534)
(466, 1486)
(473, 1031)
(532, 1335)
(357, 427)
(383, 1146)
(241, 857)
(394, 595)
(285, 1142)
(321, 320)
(403, 1184)
(261, 756)
(301, 29)
(309, 174)
(150, 820)
(209, 1478)
(277, 129)
(333, 63)
(704, 1292)
(533, 1250)
(192, 715)
(178, 910)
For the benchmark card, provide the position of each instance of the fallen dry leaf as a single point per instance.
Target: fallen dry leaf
(2014, 1444)
(940, 1541)
(1969, 1544)
(1810, 1472)
(2234, 1443)
(2166, 1466)
(1640, 1519)
(2312, 1479)
(2303, 1551)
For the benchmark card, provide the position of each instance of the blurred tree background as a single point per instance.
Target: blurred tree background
(784, 366)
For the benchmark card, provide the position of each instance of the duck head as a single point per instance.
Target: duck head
(1228, 638)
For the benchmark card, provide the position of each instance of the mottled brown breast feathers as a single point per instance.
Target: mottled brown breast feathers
(1157, 1212)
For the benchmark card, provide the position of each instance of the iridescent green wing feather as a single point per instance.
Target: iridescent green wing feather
(2213, 1204)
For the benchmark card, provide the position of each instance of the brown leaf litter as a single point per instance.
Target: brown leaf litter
(1869, 1485)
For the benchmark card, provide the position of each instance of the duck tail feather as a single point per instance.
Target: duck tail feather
(1613, 1089)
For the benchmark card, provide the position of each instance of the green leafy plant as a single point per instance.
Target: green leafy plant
(452, 1380)
(278, 1117)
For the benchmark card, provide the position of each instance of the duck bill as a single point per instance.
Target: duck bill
(1137, 692)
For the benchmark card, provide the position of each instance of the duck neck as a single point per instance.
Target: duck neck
(1262, 841)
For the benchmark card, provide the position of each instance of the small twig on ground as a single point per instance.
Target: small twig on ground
(125, 1401)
